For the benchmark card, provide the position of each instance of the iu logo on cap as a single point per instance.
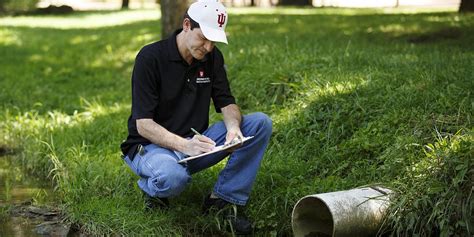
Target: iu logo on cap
(201, 73)
(221, 19)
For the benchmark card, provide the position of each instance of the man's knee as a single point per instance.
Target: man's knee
(171, 182)
(264, 121)
(177, 181)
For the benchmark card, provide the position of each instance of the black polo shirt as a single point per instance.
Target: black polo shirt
(173, 93)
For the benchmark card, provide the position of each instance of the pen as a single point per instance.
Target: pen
(195, 132)
(199, 134)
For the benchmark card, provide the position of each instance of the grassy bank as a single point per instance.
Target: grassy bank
(357, 97)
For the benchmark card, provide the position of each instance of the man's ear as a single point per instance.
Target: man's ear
(186, 24)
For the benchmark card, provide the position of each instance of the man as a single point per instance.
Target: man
(173, 82)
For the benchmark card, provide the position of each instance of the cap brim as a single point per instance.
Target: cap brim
(214, 34)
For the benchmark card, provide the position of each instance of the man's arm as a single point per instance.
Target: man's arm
(159, 135)
(232, 120)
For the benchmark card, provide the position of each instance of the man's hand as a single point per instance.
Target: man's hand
(234, 135)
(198, 144)
(232, 120)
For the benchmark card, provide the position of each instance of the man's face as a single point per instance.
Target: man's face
(197, 44)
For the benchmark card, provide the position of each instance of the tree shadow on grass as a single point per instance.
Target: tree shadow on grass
(59, 66)
(363, 134)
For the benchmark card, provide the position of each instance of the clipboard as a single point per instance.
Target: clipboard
(216, 149)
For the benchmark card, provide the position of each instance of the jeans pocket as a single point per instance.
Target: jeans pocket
(132, 164)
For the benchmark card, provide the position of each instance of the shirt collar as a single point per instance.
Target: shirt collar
(173, 54)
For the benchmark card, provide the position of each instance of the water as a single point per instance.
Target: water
(17, 191)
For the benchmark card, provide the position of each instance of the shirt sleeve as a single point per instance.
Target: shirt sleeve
(221, 94)
(145, 82)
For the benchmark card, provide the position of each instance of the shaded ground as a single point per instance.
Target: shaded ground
(25, 203)
(26, 220)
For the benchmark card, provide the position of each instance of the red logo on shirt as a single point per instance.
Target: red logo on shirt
(221, 19)
(201, 73)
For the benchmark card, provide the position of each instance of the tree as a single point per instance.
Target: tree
(13, 6)
(466, 6)
(172, 12)
(125, 4)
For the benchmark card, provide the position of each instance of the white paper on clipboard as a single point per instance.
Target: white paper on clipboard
(216, 149)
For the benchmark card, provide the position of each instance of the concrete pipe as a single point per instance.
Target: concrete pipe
(355, 212)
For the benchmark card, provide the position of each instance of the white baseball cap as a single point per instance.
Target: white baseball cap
(212, 18)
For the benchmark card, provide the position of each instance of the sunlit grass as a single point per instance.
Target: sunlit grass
(337, 11)
(9, 37)
(82, 20)
(419, 9)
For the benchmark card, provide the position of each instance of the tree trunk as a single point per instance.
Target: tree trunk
(125, 4)
(295, 2)
(252, 3)
(172, 12)
(466, 6)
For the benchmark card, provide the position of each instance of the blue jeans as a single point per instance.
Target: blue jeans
(161, 175)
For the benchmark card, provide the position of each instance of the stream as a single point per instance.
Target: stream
(27, 203)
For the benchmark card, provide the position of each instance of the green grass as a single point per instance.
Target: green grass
(357, 97)
(4, 212)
